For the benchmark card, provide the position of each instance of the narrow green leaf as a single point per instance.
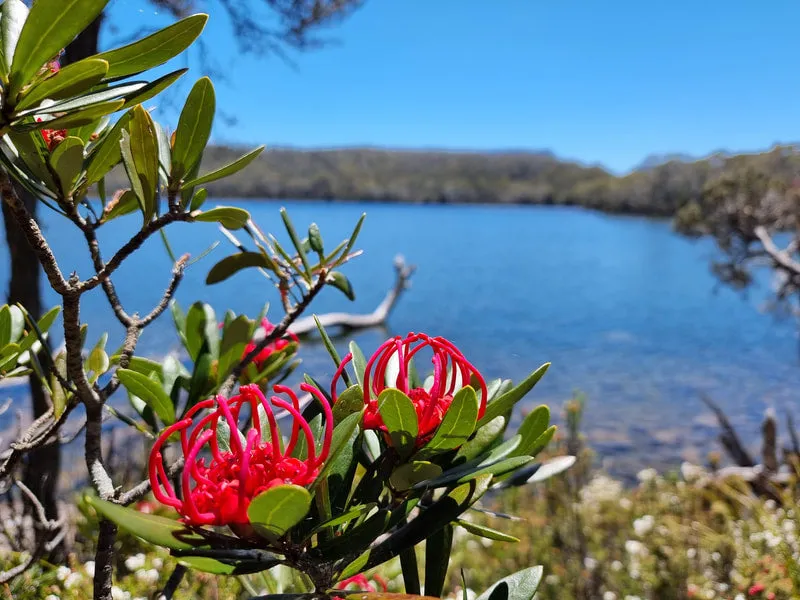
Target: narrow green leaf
(359, 362)
(541, 442)
(72, 79)
(32, 153)
(98, 361)
(154, 88)
(276, 511)
(331, 349)
(74, 119)
(150, 392)
(230, 217)
(201, 328)
(194, 128)
(12, 17)
(486, 532)
(315, 240)
(506, 402)
(400, 418)
(354, 236)
(533, 426)
(155, 49)
(458, 423)
(151, 528)
(484, 437)
(50, 26)
(106, 154)
(341, 283)
(229, 169)
(114, 93)
(143, 163)
(298, 246)
(67, 162)
(235, 337)
(437, 559)
(198, 199)
(5, 325)
(230, 265)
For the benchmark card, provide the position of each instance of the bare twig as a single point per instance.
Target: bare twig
(728, 437)
(172, 583)
(377, 317)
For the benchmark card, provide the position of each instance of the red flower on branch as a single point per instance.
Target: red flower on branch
(218, 486)
(269, 350)
(361, 583)
(451, 371)
(52, 137)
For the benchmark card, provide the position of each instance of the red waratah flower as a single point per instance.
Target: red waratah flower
(361, 583)
(450, 368)
(52, 137)
(269, 350)
(217, 484)
(755, 589)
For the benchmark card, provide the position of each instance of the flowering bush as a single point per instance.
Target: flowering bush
(363, 475)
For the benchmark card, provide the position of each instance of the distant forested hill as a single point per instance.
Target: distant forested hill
(659, 187)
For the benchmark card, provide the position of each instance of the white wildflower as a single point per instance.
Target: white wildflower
(616, 565)
(609, 596)
(647, 475)
(644, 525)
(148, 576)
(89, 568)
(552, 579)
(692, 473)
(635, 548)
(159, 563)
(72, 579)
(691, 553)
(135, 562)
(590, 563)
(117, 593)
(62, 573)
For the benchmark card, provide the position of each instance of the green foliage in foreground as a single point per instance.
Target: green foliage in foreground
(665, 538)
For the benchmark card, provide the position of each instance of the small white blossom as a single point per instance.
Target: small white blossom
(590, 563)
(552, 579)
(646, 476)
(635, 548)
(149, 576)
(72, 579)
(62, 573)
(616, 565)
(135, 562)
(609, 596)
(644, 525)
(157, 563)
(89, 568)
(118, 593)
(51, 597)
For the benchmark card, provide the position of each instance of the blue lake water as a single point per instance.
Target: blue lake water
(626, 311)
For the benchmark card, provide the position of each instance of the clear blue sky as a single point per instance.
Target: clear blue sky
(598, 81)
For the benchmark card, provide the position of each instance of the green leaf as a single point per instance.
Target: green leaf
(198, 199)
(124, 204)
(106, 154)
(344, 435)
(151, 392)
(458, 423)
(201, 382)
(201, 328)
(354, 512)
(235, 337)
(359, 362)
(522, 585)
(229, 217)
(12, 17)
(67, 162)
(59, 396)
(486, 532)
(72, 79)
(154, 88)
(276, 511)
(112, 93)
(17, 318)
(194, 128)
(541, 442)
(32, 153)
(506, 402)
(483, 439)
(155, 49)
(400, 418)
(551, 468)
(437, 559)
(489, 463)
(75, 119)
(349, 401)
(98, 361)
(229, 169)
(341, 283)
(40, 328)
(141, 163)
(230, 265)
(410, 474)
(216, 567)
(151, 528)
(315, 240)
(533, 425)
(5, 325)
(50, 26)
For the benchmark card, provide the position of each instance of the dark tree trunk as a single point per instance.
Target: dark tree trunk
(43, 465)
